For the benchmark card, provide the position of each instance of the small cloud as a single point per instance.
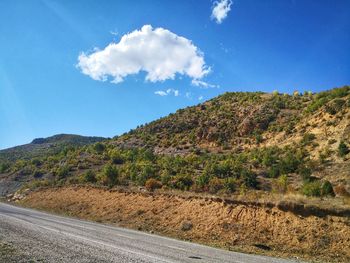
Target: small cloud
(160, 53)
(188, 95)
(175, 92)
(114, 33)
(161, 93)
(220, 10)
(203, 84)
(200, 98)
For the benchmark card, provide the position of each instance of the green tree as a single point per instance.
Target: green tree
(99, 147)
(109, 175)
(89, 177)
(62, 172)
(249, 178)
(343, 149)
(312, 188)
(4, 167)
(327, 189)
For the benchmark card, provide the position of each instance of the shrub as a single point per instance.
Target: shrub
(147, 172)
(258, 138)
(215, 185)
(109, 175)
(335, 106)
(305, 173)
(280, 184)
(203, 180)
(230, 185)
(4, 167)
(274, 171)
(312, 188)
(116, 157)
(327, 189)
(152, 184)
(36, 162)
(182, 182)
(308, 138)
(89, 177)
(62, 172)
(343, 149)
(38, 174)
(99, 147)
(249, 178)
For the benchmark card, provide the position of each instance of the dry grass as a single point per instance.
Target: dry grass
(241, 225)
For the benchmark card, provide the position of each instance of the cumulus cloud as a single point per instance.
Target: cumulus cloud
(220, 10)
(156, 51)
(174, 92)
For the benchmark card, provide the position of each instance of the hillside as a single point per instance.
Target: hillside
(13, 161)
(234, 143)
(41, 147)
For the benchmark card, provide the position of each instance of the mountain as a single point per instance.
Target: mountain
(46, 146)
(243, 120)
(239, 141)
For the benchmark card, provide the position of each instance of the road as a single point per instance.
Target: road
(50, 238)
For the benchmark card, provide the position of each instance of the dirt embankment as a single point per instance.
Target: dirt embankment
(236, 226)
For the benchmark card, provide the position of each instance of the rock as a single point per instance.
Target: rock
(186, 226)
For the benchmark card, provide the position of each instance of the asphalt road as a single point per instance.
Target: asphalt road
(49, 238)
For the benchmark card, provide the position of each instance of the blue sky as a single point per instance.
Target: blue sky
(282, 45)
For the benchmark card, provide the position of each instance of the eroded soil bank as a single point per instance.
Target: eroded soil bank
(240, 227)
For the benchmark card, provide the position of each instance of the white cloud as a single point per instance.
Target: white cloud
(200, 98)
(175, 92)
(161, 93)
(188, 95)
(158, 52)
(220, 10)
(203, 84)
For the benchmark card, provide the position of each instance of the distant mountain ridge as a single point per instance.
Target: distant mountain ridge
(44, 146)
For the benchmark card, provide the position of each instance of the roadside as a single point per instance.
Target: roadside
(266, 230)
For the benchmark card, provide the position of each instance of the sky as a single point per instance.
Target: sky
(103, 67)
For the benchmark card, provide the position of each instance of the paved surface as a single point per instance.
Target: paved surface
(48, 238)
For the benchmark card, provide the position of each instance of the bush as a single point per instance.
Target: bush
(89, 177)
(4, 167)
(274, 172)
(230, 185)
(312, 188)
(343, 149)
(147, 172)
(215, 185)
(109, 175)
(249, 178)
(305, 173)
(38, 174)
(182, 182)
(327, 189)
(116, 157)
(280, 184)
(99, 147)
(203, 180)
(62, 172)
(308, 138)
(152, 184)
(335, 106)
